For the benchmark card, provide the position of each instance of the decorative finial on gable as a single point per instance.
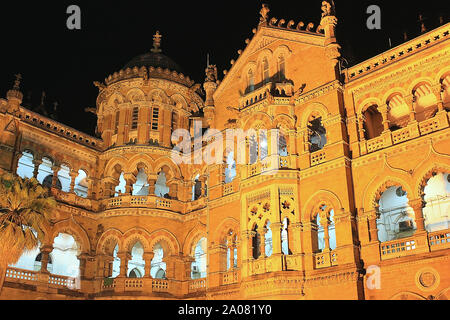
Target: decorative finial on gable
(328, 8)
(423, 28)
(157, 43)
(264, 14)
(17, 82)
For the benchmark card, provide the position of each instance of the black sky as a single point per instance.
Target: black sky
(63, 63)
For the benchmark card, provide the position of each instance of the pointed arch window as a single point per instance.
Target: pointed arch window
(135, 118)
(266, 72)
(251, 81)
(281, 68)
(116, 125)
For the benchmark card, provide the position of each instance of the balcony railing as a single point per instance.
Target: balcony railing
(159, 285)
(35, 277)
(152, 202)
(197, 285)
(387, 139)
(439, 240)
(398, 248)
(230, 277)
(326, 259)
(318, 157)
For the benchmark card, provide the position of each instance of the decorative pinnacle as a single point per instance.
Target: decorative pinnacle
(17, 82)
(264, 14)
(157, 43)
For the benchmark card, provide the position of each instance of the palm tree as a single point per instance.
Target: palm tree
(25, 211)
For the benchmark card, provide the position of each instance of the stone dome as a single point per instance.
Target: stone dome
(154, 59)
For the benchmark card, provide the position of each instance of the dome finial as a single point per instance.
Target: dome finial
(157, 43)
(17, 82)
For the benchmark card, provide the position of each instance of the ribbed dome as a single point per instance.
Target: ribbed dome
(155, 60)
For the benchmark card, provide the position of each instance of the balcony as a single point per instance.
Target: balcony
(152, 202)
(412, 131)
(36, 278)
(398, 248)
(318, 157)
(439, 240)
(72, 199)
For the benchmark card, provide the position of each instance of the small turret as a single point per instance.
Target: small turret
(328, 25)
(210, 87)
(15, 96)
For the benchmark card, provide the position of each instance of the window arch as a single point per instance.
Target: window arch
(437, 200)
(161, 188)
(199, 266)
(121, 187)
(136, 266)
(158, 266)
(81, 184)
(197, 188)
(281, 68)
(65, 256)
(396, 218)
(230, 170)
(25, 167)
(265, 71)
(318, 135)
(268, 241)
(250, 81)
(232, 251)
(256, 243)
(141, 187)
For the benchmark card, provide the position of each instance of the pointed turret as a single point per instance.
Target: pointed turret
(210, 87)
(15, 96)
(328, 25)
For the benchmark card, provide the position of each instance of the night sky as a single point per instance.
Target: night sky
(36, 43)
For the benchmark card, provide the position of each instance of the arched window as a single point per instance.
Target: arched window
(266, 71)
(121, 188)
(268, 244)
(256, 243)
(197, 189)
(65, 256)
(251, 81)
(373, 124)
(25, 168)
(318, 135)
(140, 188)
(320, 234)
(285, 237)
(158, 267)
(161, 189)
(232, 253)
(281, 68)
(332, 231)
(116, 263)
(397, 218)
(81, 184)
(282, 145)
(45, 172)
(263, 145)
(199, 267)
(437, 199)
(175, 119)
(230, 170)
(135, 118)
(136, 266)
(64, 178)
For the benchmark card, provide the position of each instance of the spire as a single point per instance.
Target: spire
(157, 43)
(423, 28)
(17, 82)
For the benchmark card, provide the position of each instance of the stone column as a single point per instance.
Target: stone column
(124, 258)
(361, 131)
(130, 178)
(73, 176)
(438, 91)
(37, 163)
(373, 230)
(276, 237)
(173, 190)
(55, 170)
(148, 257)
(384, 109)
(152, 179)
(45, 252)
(262, 245)
(417, 206)
(411, 101)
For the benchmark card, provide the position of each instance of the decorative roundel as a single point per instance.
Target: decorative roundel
(428, 279)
